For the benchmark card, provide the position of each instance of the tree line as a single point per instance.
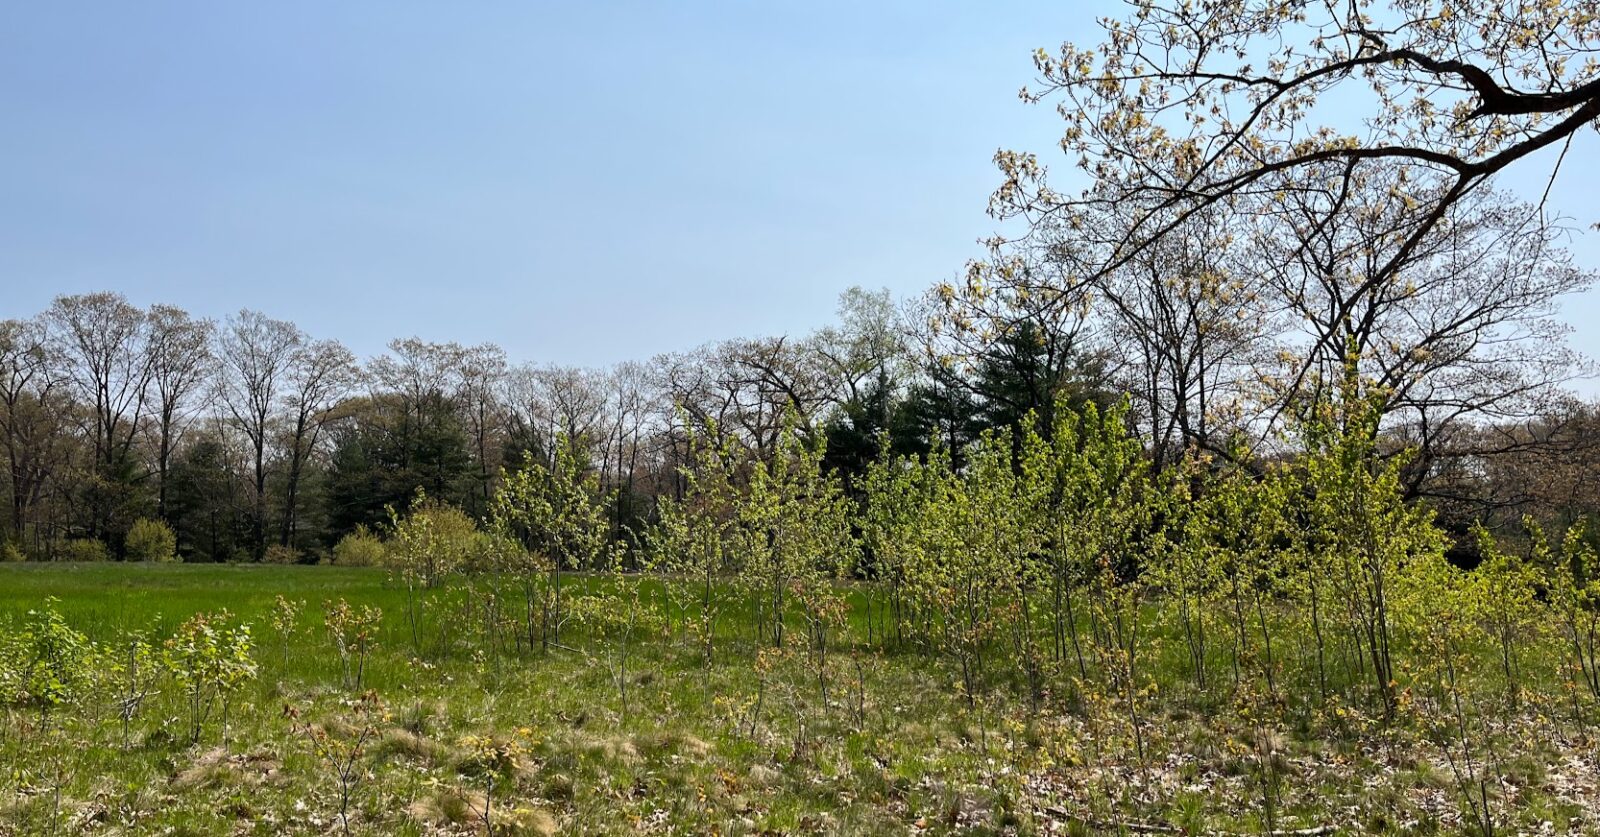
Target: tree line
(254, 441)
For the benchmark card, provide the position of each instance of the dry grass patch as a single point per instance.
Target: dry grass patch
(403, 743)
(215, 768)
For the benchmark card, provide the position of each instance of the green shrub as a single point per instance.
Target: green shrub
(280, 554)
(10, 553)
(360, 548)
(82, 550)
(432, 541)
(50, 664)
(489, 552)
(151, 540)
(209, 658)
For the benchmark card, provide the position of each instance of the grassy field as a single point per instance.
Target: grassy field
(462, 732)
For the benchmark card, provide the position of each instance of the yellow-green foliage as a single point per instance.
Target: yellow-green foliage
(360, 548)
(151, 540)
(432, 540)
(83, 550)
(280, 554)
(794, 531)
(549, 519)
(692, 540)
(47, 665)
(1575, 593)
(557, 510)
(209, 657)
(1289, 620)
(354, 631)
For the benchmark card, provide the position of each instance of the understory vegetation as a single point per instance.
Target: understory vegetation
(1050, 635)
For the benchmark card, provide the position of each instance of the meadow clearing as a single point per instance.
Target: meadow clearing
(471, 730)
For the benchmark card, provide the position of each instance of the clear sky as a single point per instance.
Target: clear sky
(581, 183)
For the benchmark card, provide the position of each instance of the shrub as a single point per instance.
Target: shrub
(209, 658)
(432, 541)
(82, 550)
(51, 664)
(151, 540)
(360, 548)
(280, 554)
(354, 631)
(489, 552)
(10, 553)
(133, 672)
(284, 614)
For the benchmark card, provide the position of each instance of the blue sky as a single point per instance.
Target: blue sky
(581, 183)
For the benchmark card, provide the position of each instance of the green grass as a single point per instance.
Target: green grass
(891, 749)
(679, 760)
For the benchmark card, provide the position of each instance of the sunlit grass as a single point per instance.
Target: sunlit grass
(728, 749)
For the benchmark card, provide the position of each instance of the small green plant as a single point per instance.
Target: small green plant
(794, 527)
(558, 513)
(52, 664)
(431, 540)
(151, 540)
(354, 631)
(617, 617)
(496, 762)
(285, 612)
(691, 541)
(134, 671)
(427, 545)
(1576, 595)
(209, 659)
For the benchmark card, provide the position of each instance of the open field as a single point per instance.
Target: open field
(468, 721)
